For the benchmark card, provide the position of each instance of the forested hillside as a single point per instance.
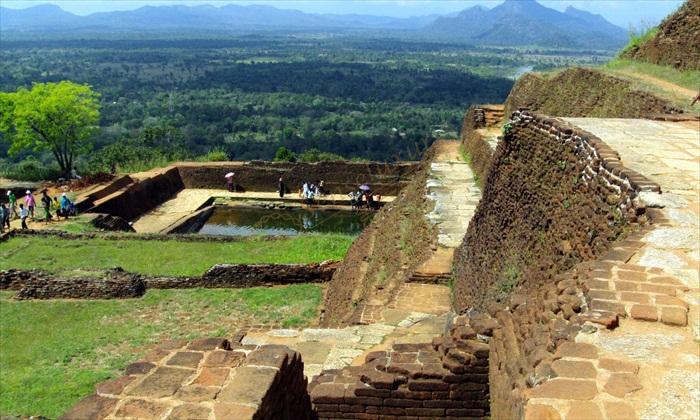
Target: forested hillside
(244, 97)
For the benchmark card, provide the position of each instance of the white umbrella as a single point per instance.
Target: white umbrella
(229, 175)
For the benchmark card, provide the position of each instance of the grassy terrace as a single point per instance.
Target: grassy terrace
(52, 353)
(166, 258)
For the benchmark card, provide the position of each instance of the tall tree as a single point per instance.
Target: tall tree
(60, 117)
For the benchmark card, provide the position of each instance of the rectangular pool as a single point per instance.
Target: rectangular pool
(248, 221)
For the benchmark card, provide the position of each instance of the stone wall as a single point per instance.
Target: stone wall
(209, 378)
(142, 196)
(249, 275)
(447, 378)
(384, 255)
(338, 177)
(567, 197)
(474, 144)
(579, 92)
(88, 201)
(114, 285)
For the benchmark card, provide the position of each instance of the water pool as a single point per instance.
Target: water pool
(247, 221)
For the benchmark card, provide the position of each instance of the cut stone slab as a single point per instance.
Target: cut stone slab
(163, 382)
(189, 412)
(653, 257)
(331, 335)
(141, 409)
(91, 407)
(248, 385)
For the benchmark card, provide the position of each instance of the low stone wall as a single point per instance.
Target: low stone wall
(249, 275)
(117, 285)
(192, 223)
(475, 145)
(115, 185)
(338, 177)
(210, 378)
(447, 378)
(16, 279)
(142, 196)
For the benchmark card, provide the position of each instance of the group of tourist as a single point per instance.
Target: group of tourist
(12, 209)
(364, 199)
(310, 190)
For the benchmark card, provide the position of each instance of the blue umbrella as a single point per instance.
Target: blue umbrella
(365, 187)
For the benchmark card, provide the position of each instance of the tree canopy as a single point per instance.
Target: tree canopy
(60, 117)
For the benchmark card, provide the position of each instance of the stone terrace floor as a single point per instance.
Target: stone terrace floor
(649, 367)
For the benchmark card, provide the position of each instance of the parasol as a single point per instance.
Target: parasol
(365, 187)
(229, 175)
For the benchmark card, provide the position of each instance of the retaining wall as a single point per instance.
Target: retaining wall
(447, 378)
(568, 199)
(338, 177)
(579, 92)
(142, 196)
(474, 144)
(396, 242)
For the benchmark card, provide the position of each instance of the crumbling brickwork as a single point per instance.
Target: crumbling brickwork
(447, 378)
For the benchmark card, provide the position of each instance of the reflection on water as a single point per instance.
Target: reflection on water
(240, 221)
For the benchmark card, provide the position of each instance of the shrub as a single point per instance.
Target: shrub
(639, 37)
(284, 155)
(30, 169)
(216, 155)
(315, 155)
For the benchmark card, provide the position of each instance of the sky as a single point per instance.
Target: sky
(620, 12)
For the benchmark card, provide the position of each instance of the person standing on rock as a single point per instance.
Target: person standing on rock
(281, 187)
(30, 202)
(46, 203)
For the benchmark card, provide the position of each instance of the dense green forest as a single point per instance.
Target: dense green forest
(243, 98)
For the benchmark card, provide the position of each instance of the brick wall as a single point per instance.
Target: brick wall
(447, 378)
(555, 196)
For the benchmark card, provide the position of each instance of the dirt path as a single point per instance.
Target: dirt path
(662, 84)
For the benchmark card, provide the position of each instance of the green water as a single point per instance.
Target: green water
(244, 221)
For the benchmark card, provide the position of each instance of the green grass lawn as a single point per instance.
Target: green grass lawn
(167, 258)
(686, 78)
(52, 353)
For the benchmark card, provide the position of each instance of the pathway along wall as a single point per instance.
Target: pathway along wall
(579, 92)
(555, 197)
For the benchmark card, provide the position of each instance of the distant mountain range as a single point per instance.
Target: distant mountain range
(515, 22)
(526, 22)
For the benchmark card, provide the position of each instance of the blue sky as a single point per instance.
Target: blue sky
(620, 12)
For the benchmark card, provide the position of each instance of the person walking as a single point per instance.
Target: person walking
(2, 217)
(65, 205)
(30, 202)
(230, 184)
(23, 214)
(13, 202)
(5, 216)
(281, 187)
(46, 203)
